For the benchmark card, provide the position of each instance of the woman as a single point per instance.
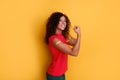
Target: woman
(59, 42)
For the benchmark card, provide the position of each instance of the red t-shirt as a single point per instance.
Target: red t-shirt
(59, 62)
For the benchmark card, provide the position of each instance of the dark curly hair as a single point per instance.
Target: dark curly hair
(52, 24)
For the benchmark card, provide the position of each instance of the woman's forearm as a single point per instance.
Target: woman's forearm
(76, 47)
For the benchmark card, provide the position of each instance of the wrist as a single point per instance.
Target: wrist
(78, 34)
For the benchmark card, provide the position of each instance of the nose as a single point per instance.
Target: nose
(63, 22)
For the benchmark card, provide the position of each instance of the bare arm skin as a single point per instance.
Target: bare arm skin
(71, 41)
(66, 48)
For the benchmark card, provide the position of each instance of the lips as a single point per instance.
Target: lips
(63, 26)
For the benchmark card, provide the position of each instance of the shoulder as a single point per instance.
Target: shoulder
(51, 38)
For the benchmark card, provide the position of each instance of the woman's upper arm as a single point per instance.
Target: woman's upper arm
(62, 46)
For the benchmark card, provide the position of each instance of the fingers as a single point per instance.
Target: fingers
(76, 29)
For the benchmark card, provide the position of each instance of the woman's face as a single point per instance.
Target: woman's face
(62, 23)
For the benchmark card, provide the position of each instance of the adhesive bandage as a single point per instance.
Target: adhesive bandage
(58, 42)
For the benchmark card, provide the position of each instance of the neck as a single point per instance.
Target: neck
(58, 31)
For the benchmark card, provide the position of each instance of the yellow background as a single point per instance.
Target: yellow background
(25, 56)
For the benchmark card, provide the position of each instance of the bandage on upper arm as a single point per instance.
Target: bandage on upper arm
(58, 42)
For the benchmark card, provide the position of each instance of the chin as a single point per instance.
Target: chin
(63, 29)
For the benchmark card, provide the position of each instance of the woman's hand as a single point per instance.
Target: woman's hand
(77, 29)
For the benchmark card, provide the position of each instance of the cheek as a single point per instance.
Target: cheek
(62, 24)
(65, 23)
(59, 24)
